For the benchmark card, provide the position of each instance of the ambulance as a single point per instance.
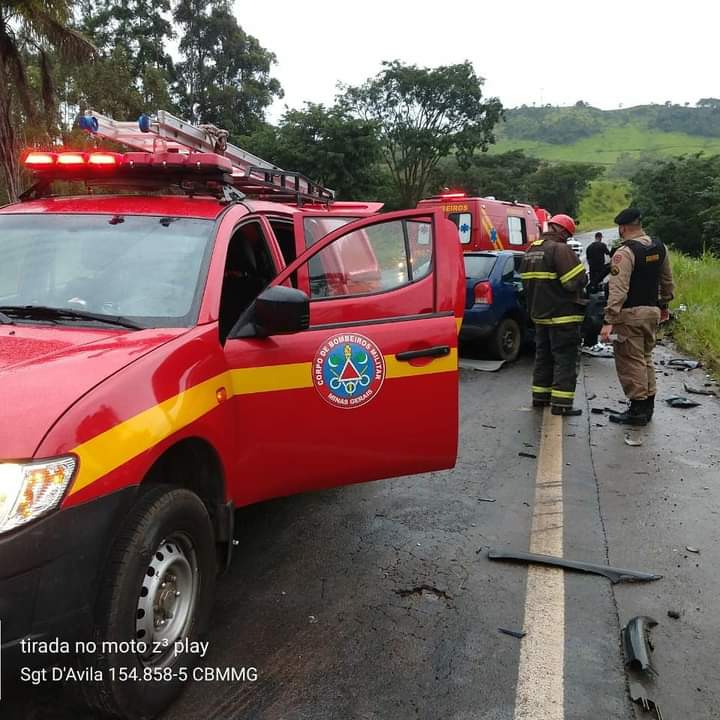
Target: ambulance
(186, 329)
(487, 223)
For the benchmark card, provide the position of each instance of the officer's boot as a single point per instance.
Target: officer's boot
(650, 406)
(565, 411)
(636, 414)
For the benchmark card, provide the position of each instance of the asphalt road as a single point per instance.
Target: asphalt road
(378, 601)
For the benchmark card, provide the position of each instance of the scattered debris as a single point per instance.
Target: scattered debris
(527, 455)
(597, 411)
(674, 614)
(484, 499)
(698, 391)
(684, 364)
(519, 634)
(637, 645)
(692, 549)
(312, 619)
(677, 401)
(639, 696)
(600, 350)
(615, 575)
(591, 397)
(632, 443)
(482, 365)
(492, 427)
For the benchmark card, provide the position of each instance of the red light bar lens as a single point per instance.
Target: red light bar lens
(39, 159)
(69, 158)
(454, 195)
(104, 159)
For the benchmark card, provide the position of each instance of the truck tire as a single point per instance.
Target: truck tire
(157, 587)
(506, 341)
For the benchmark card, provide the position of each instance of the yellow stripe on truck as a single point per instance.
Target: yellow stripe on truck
(125, 441)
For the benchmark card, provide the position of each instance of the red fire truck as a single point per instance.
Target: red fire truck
(200, 332)
(487, 223)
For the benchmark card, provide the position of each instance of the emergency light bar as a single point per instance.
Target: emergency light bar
(193, 173)
(43, 161)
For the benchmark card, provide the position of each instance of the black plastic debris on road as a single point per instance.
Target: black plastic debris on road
(615, 575)
(684, 364)
(519, 634)
(637, 645)
(484, 499)
(674, 614)
(678, 401)
(527, 455)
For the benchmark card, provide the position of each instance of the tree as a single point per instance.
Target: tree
(680, 200)
(31, 29)
(422, 116)
(327, 145)
(506, 175)
(560, 187)
(224, 77)
(132, 36)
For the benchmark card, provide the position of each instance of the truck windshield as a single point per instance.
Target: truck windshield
(147, 268)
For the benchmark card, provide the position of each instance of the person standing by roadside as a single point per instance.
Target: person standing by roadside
(554, 278)
(640, 288)
(596, 253)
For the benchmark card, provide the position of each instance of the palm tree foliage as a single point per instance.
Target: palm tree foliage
(33, 34)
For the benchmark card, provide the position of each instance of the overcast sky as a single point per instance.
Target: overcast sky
(606, 52)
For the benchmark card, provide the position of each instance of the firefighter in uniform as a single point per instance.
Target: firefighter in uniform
(554, 278)
(640, 288)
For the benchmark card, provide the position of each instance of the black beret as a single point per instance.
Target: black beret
(628, 216)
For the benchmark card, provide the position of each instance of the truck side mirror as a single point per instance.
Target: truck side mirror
(277, 310)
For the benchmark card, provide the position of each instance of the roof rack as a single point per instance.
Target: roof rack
(166, 133)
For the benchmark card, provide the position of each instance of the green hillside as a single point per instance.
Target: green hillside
(613, 138)
(614, 146)
(619, 140)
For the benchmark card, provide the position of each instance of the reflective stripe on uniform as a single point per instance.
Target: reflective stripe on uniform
(541, 390)
(563, 394)
(570, 274)
(537, 242)
(563, 320)
(538, 275)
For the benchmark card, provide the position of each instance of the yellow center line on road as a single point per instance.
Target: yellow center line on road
(540, 693)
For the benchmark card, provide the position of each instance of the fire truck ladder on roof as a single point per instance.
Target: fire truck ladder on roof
(165, 132)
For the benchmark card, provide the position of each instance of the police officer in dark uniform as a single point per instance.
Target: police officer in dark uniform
(596, 253)
(554, 278)
(640, 288)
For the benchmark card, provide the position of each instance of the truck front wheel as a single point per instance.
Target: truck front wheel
(154, 601)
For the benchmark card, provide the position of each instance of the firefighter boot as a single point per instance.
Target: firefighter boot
(565, 411)
(637, 414)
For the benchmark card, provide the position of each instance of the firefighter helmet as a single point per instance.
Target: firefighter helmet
(564, 221)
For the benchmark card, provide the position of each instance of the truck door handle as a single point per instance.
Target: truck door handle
(433, 352)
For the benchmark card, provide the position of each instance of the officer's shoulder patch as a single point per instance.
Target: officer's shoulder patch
(652, 258)
(615, 270)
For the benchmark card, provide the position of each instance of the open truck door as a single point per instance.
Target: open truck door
(366, 385)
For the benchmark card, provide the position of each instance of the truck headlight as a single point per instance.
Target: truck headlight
(29, 490)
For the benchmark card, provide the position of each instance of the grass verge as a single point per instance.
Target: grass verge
(697, 286)
(601, 203)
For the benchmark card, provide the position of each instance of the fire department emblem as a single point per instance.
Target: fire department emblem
(348, 370)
